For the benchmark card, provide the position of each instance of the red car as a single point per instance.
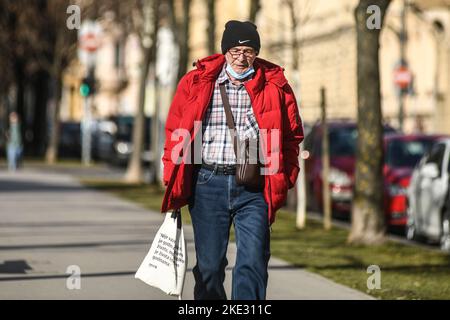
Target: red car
(402, 153)
(342, 139)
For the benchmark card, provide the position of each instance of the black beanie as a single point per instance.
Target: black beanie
(239, 33)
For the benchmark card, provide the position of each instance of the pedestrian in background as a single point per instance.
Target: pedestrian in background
(258, 96)
(14, 141)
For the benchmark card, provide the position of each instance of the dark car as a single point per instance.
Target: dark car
(113, 139)
(342, 136)
(69, 145)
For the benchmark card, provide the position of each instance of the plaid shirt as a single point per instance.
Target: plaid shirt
(217, 146)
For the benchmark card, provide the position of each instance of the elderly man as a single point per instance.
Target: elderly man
(260, 99)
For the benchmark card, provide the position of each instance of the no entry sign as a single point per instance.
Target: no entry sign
(89, 41)
(402, 77)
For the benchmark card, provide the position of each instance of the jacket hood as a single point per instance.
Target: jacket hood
(273, 73)
(264, 70)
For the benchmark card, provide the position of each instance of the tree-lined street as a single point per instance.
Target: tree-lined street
(85, 92)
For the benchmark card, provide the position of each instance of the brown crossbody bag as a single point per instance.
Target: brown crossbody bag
(248, 166)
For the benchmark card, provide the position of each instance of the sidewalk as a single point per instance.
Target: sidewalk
(48, 222)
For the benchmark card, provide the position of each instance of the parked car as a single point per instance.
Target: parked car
(342, 140)
(104, 132)
(428, 211)
(402, 153)
(69, 145)
(112, 140)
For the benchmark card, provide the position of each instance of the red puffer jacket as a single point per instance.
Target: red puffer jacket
(275, 108)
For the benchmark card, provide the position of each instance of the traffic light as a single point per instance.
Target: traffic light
(87, 86)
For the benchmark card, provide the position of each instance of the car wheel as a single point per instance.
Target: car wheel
(445, 232)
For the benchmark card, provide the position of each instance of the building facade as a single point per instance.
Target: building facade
(327, 57)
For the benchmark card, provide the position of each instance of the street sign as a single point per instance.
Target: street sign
(89, 41)
(402, 77)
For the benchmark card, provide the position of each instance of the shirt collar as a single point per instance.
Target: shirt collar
(223, 76)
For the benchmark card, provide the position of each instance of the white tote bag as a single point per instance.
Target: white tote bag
(164, 266)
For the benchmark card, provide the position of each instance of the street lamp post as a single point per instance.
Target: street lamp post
(87, 89)
(86, 132)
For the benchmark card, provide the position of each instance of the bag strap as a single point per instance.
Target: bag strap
(176, 214)
(229, 116)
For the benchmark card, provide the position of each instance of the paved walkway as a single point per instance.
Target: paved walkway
(48, 222)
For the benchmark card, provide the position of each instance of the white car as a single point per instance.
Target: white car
(428, 197)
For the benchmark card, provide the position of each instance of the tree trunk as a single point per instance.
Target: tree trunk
(20, 80)
(255, 6)
(174, 26)
(211, 26)
(326, 198)
(40, 93)
(294, 32)
(367, 212)
(51, 154)
(184, 40)
(134, 172)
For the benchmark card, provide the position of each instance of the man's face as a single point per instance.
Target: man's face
(240, 58)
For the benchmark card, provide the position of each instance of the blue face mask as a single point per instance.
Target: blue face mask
(239, 76)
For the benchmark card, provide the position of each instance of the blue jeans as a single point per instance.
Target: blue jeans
(13, 154)
(216, 202)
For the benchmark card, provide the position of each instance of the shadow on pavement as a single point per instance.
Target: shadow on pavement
(14, 266)
(111, 274)
(79, 245)
(26, 186)
(58, 224)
